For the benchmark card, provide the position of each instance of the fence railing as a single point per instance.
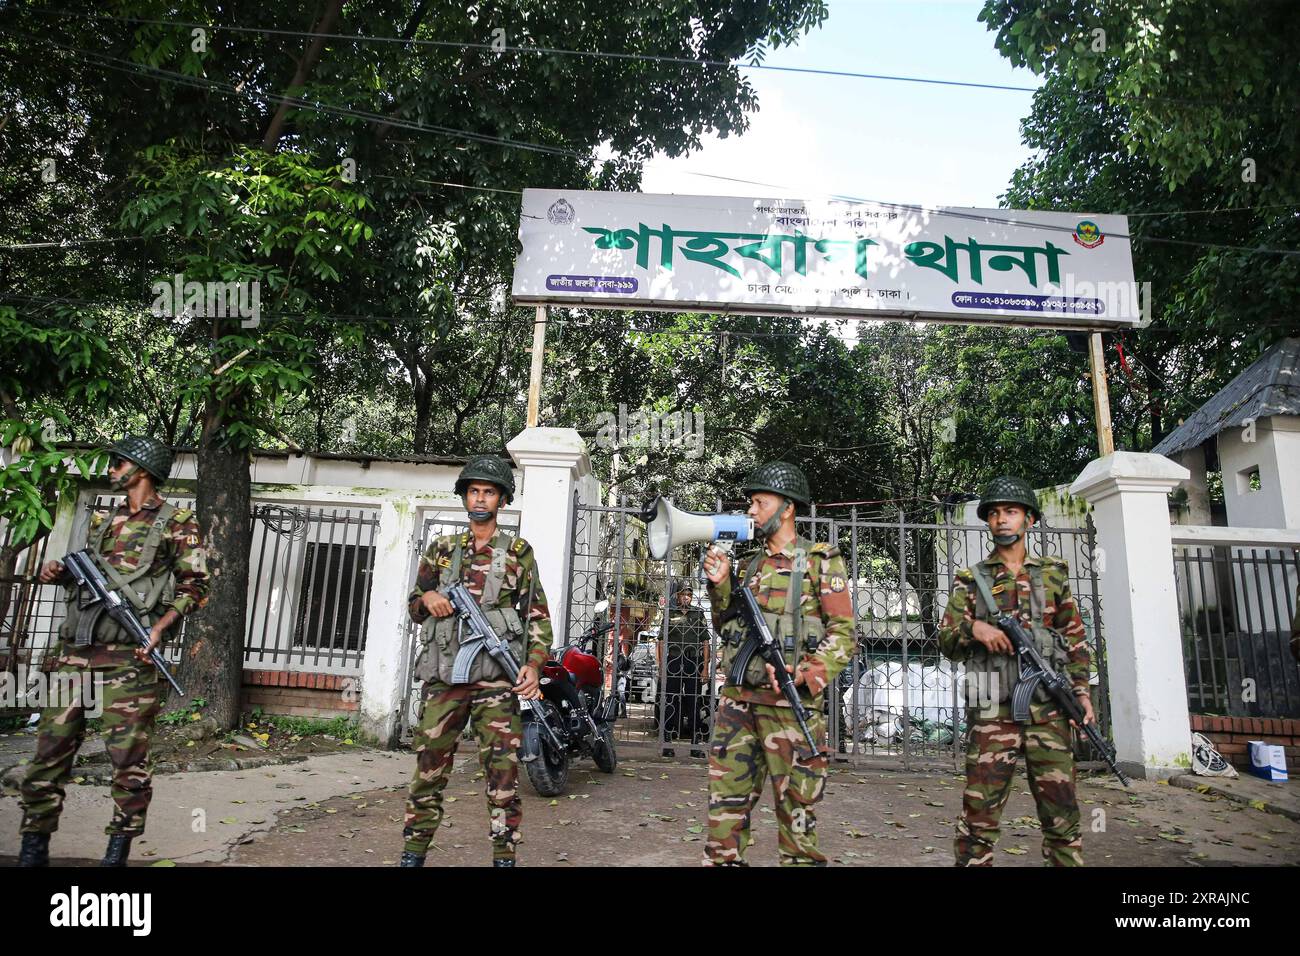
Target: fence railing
(308, 592)
(26, 606)
(1236, 601)
(898, 699)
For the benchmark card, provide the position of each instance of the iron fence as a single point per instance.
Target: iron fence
(897, 700)
(308, 600)
(1236, 605)
(310, 576)
(28, 609)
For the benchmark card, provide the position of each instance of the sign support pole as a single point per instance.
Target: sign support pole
(1100, 395)
(535, 375)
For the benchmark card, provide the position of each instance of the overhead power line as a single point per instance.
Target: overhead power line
(500, 48)
(97, 58)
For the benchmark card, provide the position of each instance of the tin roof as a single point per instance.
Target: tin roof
(1270, 386)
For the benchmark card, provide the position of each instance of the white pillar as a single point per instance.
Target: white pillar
(553, 460)
(1144, 653)
(384, 664)
(60, 539)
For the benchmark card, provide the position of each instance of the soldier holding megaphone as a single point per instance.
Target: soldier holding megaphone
(755, 730)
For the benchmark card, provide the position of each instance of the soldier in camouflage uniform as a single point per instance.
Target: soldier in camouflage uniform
(501, 572)
(150, 553)
(755, 733)
(1038, 591)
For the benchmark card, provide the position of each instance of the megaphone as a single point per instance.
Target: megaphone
(670, 527)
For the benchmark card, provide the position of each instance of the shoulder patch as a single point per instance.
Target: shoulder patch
(520, 546)
(825, 549)
(181, 515)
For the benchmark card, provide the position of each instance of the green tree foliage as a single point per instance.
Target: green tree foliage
(315, 164)
(1181, 115)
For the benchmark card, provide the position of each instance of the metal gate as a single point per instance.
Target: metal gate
(897, 700)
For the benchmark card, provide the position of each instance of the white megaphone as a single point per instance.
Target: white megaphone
(670, 527)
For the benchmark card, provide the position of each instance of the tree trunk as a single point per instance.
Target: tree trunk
(213, 658)
(423, 389)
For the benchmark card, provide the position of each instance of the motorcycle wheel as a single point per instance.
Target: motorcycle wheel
(603, 751)
(549, 773)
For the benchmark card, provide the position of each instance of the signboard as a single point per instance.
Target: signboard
(829, 258)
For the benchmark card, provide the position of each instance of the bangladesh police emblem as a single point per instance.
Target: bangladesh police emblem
(560, 212)
(1088, 234)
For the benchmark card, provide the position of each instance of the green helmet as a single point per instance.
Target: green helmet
(149, 453)
(1008, 490)
(781, 478)
(487, 468)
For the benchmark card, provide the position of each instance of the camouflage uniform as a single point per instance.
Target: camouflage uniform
(489, 705)
(755, 733)
(996, 739)
(132, 693)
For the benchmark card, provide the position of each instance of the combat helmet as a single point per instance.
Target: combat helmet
(147, 452)
(1007, 489)
(488, 468)
(781, 478)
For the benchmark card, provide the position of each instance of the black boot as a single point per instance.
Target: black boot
(35, 850)
(119, 848)
(411, 859)
(503, 861)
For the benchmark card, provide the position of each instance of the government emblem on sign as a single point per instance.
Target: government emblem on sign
(1088, 234)
(560, 213)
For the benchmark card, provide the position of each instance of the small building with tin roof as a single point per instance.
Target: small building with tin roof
(1250, 432)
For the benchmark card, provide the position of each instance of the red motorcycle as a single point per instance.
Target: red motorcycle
(574, 718)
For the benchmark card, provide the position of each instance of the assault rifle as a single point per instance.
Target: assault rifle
(1035, 671)
(762, 642)
(96, 597)
(482, 637)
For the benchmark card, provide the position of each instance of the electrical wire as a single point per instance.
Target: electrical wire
(182, 79)
(499, 48)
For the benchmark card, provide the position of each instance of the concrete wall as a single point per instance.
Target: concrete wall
(1275, 452)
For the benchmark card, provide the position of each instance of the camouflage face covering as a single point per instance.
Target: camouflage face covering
(772, 525)
(1007, 539)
